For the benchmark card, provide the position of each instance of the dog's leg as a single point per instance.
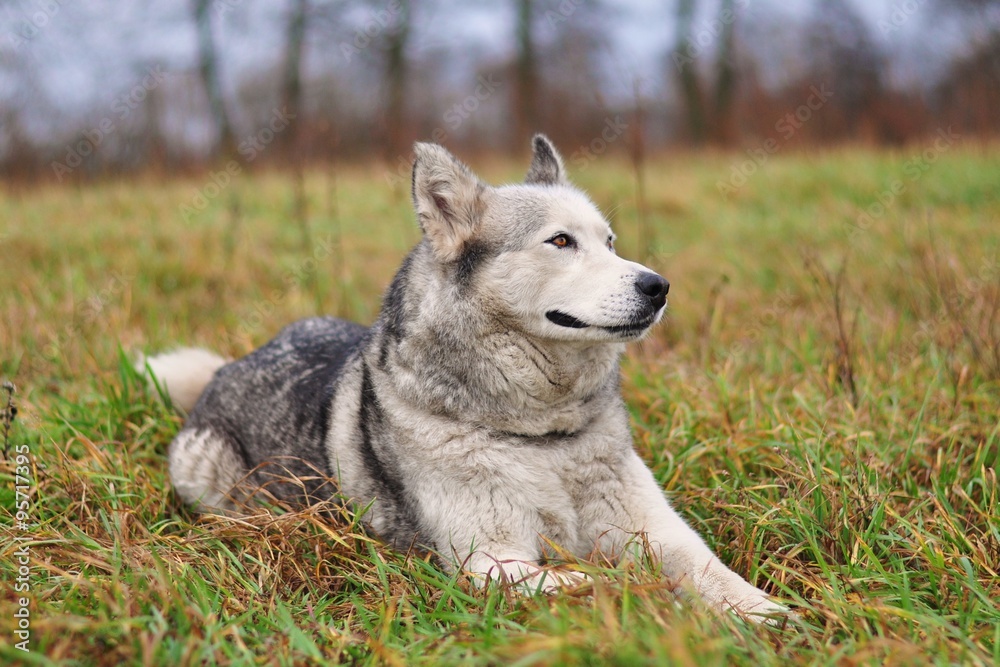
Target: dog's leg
(685, 557)
(205, 469)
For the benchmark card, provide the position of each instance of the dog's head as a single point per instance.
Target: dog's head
(537, 255)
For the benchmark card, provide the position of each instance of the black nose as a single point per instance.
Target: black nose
(654, 287)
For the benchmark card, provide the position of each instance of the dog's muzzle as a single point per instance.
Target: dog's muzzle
(653, 289)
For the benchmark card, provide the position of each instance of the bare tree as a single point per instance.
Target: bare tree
(968, 95)
(723, 123)
(208, 67)
(845, 56)
(291, 82)
(572, 57)
(708, 106)
(684, 59)
(397, 38)
(526, 72)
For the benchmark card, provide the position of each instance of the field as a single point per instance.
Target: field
(821, 403)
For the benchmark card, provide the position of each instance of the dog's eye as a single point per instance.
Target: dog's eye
(611, 243)
(562, 241)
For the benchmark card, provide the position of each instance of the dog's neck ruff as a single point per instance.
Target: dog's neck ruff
(504, 381)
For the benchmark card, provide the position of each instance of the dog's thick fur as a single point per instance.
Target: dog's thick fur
(480, 416)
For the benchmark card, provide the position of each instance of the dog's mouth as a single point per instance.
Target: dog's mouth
(632, 328)
(564, 320)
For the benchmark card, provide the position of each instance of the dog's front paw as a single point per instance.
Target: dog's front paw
(530, 579)
(755, 605)
(548, 580)
(551, 580)
(727, 591)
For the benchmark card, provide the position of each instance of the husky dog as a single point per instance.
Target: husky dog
(481, 415)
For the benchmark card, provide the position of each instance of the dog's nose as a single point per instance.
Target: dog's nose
(654, 287)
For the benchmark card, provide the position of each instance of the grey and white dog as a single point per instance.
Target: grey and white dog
(481, 415)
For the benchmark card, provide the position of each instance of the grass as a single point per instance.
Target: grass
(869, 502)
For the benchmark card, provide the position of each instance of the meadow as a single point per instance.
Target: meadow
(822, 403)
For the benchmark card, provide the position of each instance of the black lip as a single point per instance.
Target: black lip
(630, 328)
(564, 320)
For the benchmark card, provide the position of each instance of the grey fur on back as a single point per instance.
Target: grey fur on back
(273, 406)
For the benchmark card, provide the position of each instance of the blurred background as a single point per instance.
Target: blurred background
(92, 87)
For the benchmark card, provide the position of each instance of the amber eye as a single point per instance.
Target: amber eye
(561, 241)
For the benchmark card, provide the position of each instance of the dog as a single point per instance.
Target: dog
(480, 416)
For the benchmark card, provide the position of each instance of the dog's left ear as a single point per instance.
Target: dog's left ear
(448, 199)
(546, 164)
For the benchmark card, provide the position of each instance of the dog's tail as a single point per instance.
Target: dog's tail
(183, 373)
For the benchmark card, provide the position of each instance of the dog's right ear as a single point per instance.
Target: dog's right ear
(447, 197)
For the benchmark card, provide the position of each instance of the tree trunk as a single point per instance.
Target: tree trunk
(526, 99)
(208, 67)
(723, 123)
(684, 61)
(396, 70)
(291, 83)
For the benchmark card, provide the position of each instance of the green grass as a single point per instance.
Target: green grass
(873, 511)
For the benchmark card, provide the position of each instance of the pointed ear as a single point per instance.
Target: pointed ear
(447, 197)
(546, 164)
